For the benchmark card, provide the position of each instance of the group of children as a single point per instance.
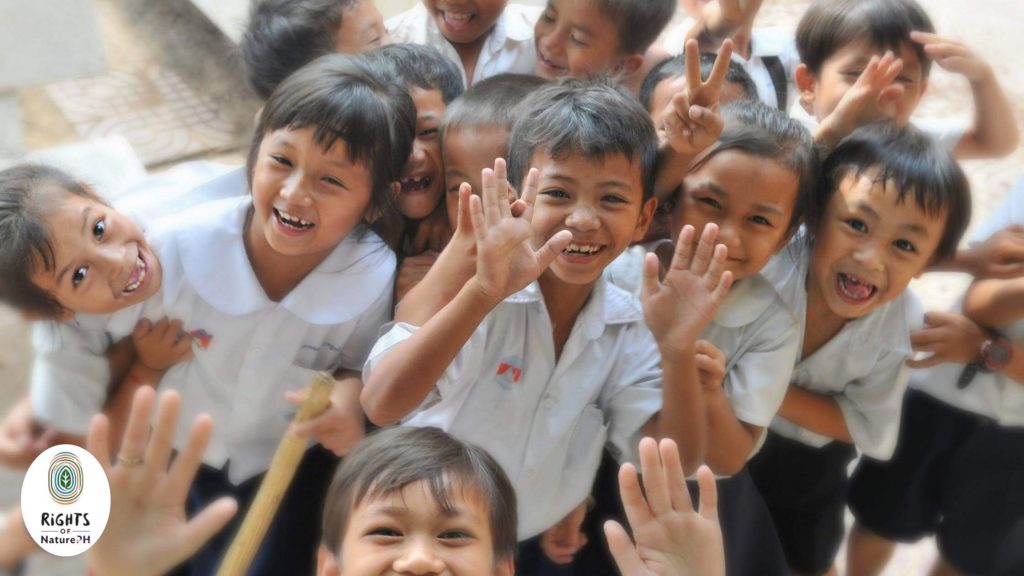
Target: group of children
(539, 232)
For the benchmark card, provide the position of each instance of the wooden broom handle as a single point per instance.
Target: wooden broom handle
(282, 469)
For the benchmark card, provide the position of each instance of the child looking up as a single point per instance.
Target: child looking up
(589, 37)
(538, 331)
(889, 202)
(283, 284)
(864, 60)
(285, 35)
(482, 37)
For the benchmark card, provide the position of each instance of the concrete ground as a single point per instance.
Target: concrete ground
(189, 102)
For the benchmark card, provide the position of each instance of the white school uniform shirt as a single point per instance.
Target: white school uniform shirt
(507, 48)
(765, 42)
(991, 395)
(546, 421)
(70, 374)
(862, 367)
(753, 328)
(947, 133)
(249, 350)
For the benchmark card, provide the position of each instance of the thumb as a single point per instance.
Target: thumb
(553, 247)
(650, 287)
(296, 397)
(204, 525)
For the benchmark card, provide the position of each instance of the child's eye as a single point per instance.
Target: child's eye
(614, 199)
(548, 16)
(556, 193)
(710, 202)
(857, 225)
(78, 276)
(281, 160)
(904, 80)
(575, 40)
(99, 229)
(385, 532)
(428, 133)
(852, 74)
(761, 220)
(333, 181)
(905, 245)
(454, 535)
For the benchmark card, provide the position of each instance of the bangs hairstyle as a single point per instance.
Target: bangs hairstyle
(285, 35)
(419, 66)
(752, 127)
(908, 159)
(639, 22)
(392, 458)
(27, 193)
(594, 118)
(490, 102)
(675, 67)
(346, 99)
(829, 25)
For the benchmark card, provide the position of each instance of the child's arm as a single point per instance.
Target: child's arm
(21, 437)
(690, 123)
(147, 533)
(872, 97)
(816, 412)
(672, 539)
(677, 310)
(506, 262)
(994, 133)
(411, 271)
(995, 303)
(1000, 256)
(954, 338)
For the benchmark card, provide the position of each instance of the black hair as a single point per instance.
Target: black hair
(639, 22)
(593, 117)
(829, 25)
(490, 102)
(912, 162)
(675, 67)
(392, 458)
(752, 127)
(419, 66)
(25, 196)
(285, 35)
(345, 98)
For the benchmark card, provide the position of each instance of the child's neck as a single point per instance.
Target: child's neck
(826, 323)
(563, 302)
(469, 54)
(278, 274)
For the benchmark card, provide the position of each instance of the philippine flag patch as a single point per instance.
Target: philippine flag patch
(510, 370)
(201, 338)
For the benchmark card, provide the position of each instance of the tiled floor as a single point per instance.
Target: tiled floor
(173, 88)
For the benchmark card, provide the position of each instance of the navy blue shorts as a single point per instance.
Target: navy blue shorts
(954, 474)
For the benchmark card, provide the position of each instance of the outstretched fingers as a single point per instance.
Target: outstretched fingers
(708, 493)
(716, 79)
(679, 495)
(529, 197)
(552, 248)
(625, 555)
(684, 249)
(704, 254)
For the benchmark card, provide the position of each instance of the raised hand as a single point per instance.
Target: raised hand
(506, 259)
(690, 122)
(147, 533)
(160, 345)
(679, 307)
(671, 538)
(952, 55)
(948, 337)
(872, 97)
(1001, 256)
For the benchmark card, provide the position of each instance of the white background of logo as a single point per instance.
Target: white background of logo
(94, 500)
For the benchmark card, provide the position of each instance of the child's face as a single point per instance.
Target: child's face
(305, 199)
(870, 246)
(574, 38)
(467, 151)
(408, 533)
(102, 261)
(840, 72)
(669, 87)
(599, 200)
(751, 198)
(362, 29)
(465, 21)
(423, 177)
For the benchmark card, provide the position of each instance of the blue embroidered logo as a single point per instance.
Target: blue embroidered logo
(325, 345)
(510, 370)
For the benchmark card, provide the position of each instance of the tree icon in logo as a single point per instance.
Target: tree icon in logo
(65, 478)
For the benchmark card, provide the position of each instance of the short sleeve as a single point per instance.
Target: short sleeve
(632, 394)
(872, 405)
(947, 133)
(70, 376)
(757, 381)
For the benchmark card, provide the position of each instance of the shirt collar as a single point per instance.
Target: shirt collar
(213, 258)
(607, 305)
(746, 302)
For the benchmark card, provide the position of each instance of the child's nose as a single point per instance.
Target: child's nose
(554, 42)
(583, 218)
(419, 558)
(293, 189)
(869, 256)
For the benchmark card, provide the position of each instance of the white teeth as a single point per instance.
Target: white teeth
(853, 288)
(292, 221)
(583, 248)
(458, 16)
(140, 266)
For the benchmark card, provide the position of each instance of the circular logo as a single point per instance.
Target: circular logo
(65, 500)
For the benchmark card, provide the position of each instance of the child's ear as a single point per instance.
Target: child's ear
(805, 84)
(646, 217)
(505, 567)
(326, 563)
(631, 63)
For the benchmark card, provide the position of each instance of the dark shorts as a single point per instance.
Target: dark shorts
(290, 546)
(805, 490)
(954, 474)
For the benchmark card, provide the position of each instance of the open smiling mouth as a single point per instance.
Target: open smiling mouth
(292, 222)
(416, 185)
(138, 276)
(582, 250)
(456, 20)
(853, 289)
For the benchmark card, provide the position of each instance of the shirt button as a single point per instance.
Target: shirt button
(548, 403)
